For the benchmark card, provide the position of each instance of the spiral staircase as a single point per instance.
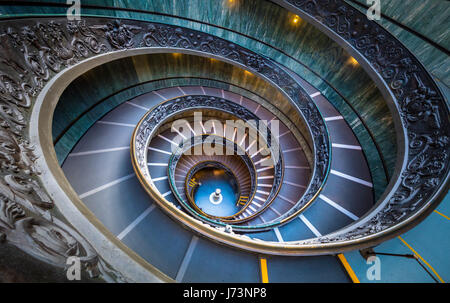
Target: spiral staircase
(331, 157)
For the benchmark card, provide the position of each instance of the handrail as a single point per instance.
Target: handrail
(421, 176)
(176, 156)
(148, 125)
(421, 116)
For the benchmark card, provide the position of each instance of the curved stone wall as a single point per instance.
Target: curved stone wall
(35, 77)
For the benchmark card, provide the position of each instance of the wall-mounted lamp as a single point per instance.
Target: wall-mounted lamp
(352, 61)
(296, 20)
(230, 3)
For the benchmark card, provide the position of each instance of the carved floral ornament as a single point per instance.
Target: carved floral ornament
(33, 51)
(421, 106)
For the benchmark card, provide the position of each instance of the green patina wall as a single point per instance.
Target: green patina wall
(427, 17)
(107, 79)
(268, 29)
(101, 89)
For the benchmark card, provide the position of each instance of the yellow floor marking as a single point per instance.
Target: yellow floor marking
(420, 257)
(264, 274)
(348, 268)
(442, 215)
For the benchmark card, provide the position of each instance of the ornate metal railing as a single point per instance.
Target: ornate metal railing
(422, 121)
(39, 54)
(40, 57)
(149, 125)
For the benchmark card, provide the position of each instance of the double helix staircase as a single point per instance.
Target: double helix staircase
(357, 154)
(126, 209)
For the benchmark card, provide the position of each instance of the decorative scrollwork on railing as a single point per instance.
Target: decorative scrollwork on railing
(149, 125)
(178, 105)
(422, 108)
(30, 55)
(33, 51)
(27, 222)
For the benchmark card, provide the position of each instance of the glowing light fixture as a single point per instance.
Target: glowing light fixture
(353, 61)
(230, 3)
(296, 19)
